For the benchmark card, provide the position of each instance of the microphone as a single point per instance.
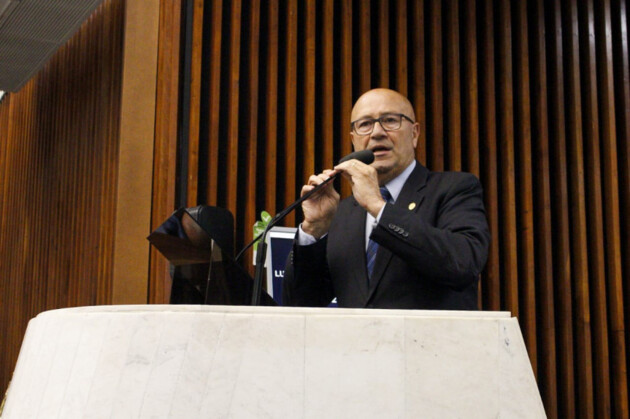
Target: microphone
(365, 156)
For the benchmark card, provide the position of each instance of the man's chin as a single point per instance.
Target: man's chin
(382, 169)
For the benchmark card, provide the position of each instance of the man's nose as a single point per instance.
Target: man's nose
(378, 130)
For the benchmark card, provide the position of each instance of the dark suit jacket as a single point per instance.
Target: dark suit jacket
(433, 245)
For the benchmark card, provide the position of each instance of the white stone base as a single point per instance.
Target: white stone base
(261, 362)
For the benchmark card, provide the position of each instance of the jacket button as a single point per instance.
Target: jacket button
(391, 226)
(405, 234)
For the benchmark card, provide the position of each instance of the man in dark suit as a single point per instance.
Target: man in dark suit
(407, 238)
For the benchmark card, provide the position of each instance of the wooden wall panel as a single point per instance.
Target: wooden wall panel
(326, 101)
(271, 109)
(434, 79)
(452, 88)
(531, 96)
(491, 287)
(560, 215)
(601, 372)
(620, 55)
(251, 120)
(417, 75)
(59, 139)
(232, 118)
(345, 84)
(613, 271)
(290, 106)
(382, 43)
(164, 160)
(214, 93)
(524, 195)
(545, 302)
(192, 180)
(577, 213)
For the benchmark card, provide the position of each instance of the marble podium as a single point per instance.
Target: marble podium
(271, 362)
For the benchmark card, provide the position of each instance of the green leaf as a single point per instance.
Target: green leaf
(261, 225)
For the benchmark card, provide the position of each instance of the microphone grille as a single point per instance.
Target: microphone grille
(365, 156)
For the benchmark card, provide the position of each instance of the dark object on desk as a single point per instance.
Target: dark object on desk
(192, 239)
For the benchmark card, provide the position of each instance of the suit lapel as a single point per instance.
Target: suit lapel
(356, 249)
(412, 192)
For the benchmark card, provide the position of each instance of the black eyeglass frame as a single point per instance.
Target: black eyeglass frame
(375, 120)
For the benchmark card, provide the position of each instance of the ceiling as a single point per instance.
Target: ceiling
(30, 33)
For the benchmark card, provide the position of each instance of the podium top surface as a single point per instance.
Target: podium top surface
(197, 361)
(299, 311)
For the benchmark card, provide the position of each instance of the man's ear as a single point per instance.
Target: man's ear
(416, 134)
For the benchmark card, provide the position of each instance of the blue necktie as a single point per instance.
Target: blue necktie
(372, 247)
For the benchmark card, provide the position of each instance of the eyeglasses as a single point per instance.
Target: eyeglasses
(389, 122)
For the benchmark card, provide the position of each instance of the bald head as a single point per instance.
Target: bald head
(394, 149)
(390, 101)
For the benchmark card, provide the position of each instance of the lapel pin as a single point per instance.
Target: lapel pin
(412, 206)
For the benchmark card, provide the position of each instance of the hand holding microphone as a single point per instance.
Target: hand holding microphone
(365, 186)
(320, 199)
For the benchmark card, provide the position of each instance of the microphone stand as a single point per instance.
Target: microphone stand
(262, 246)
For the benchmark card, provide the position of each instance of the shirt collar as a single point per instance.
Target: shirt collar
(395, 185)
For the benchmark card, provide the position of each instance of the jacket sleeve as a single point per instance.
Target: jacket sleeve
(451, 248)
(307, 280)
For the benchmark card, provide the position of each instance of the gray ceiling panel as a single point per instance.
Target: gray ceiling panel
(30, 33)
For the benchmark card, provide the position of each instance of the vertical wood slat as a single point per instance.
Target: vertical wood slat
(579, 261)
(489, 172)
(195, 102)
(470, 103)
(619, 391)
(345, 85)
(5, 313)
(562, 240)
(271, 107)
(327, 99)
(110, 123)
(402, 83)
(597, 268)
(417, 79)
(307, 138)
(435, 107)
(453, 89)
(523, 139)
(233, 122)
(619, 16)
(383, 44)
(505, 128)
(164, 163)
(547, 370)
(214, 92)
(251, 125)
(470, 90)
(290, 111)
(364, 64)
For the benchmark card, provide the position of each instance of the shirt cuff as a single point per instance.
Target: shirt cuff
(305, 239)
(378, 216)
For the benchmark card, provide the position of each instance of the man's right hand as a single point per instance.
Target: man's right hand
(320, 208)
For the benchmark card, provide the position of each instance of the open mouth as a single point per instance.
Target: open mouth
(380, 151)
